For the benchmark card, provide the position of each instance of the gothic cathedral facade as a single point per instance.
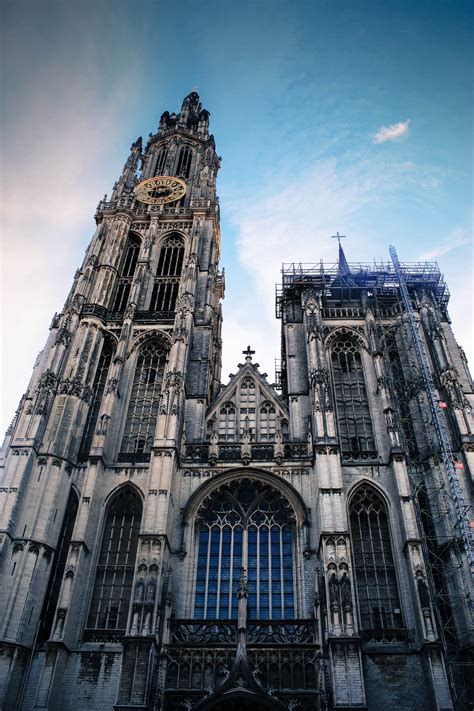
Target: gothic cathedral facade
(169, 542)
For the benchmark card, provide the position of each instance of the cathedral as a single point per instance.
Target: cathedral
(171, 542)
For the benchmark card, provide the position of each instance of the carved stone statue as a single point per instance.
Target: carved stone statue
(139, 591)
(423, 592)
(345, 587)
(334, 591)
(151, 590)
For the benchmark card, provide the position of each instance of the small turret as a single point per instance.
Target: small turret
(128, 179)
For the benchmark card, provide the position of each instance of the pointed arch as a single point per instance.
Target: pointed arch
(350, 393)
(183, 167)
(168, 274)
(116, 561)
(249, 525)
(142, 412)
(374, 565)
(98, 387)
(126, 272)
(226, 421)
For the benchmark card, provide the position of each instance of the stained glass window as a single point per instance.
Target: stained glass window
(251, 526)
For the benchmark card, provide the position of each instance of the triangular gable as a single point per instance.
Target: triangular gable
(228, 392)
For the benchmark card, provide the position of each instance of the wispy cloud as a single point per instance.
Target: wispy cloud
(457, 238)
(391, 133)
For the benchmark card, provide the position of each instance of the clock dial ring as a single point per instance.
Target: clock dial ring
(160, 190)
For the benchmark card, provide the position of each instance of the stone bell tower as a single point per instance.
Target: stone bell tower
(95, 441)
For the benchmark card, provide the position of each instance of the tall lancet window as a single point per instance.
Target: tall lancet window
(184, 163)
(248, 403)
(116, 563)
(97, 395)
(227, 421)
(353, 413)
(168, 273)
(142, 411)
(161, 161)
(379, 605)
(248, 525)
(130, 258)
(59, 565)
(267, 423)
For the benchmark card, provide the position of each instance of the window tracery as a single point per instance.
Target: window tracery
(168, 273)
(352, 405)
(184, 163)
(245, 524)
(268, 421)
(161, 161)
(127, 271)
(377, 592)
(142, 410)
(115, 567)
(227, 421)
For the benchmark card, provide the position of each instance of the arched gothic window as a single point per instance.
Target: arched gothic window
(115, 567)
(248, 525)
(130, 258)
(142, 411)
(166, 285)
(379, 605)
(161, 161)
(97, 394)
(353, 413)
(184, 163)
(267, 423)
(248, 402)
(58, 567)
(227, 421)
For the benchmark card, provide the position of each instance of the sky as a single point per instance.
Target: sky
(330, 116)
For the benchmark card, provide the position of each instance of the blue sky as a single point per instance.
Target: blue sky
(298, 94)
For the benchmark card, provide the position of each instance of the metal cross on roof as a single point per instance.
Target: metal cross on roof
(338, 237)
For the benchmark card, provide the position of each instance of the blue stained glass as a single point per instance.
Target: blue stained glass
(271, 547)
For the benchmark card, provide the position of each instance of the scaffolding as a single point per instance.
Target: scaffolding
(379, 276)
(426, 424)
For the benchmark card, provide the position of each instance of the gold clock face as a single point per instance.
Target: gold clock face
(160, 189)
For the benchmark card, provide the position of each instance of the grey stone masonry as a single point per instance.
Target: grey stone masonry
(168, 541)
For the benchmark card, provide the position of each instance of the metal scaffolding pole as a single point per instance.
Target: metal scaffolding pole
(438, 419)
